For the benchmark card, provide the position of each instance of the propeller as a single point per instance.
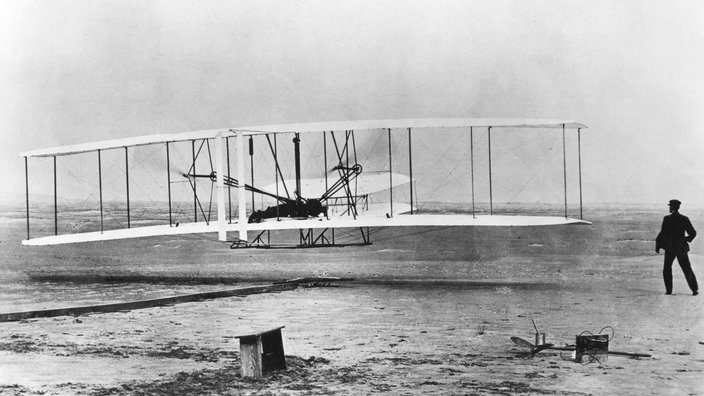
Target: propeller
(356, 168)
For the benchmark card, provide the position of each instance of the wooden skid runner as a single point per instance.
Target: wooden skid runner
(116, 307)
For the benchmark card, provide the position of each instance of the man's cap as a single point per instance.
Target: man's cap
(674, 202)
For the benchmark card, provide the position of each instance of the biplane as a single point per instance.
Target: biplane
(342, 195)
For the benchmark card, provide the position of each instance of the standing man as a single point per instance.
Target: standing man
(672, 238)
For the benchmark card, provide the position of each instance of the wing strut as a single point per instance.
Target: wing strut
(26, 190)
(491, 195)
(277, 172)
(222, 219)
(251, 163)
(168, 180)
(195, 194)
(229, 192)
(127, 185)
(241, 196)
(100, 188)
(410, 165)
(325, 167)
(297, 155)
(471, 162)
(391, 178)
(56, 203)
(579, 158)
(564, 166)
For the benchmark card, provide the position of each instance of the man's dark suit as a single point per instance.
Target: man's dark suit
(672, 238)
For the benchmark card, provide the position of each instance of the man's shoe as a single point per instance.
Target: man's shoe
(695, 293)
(668, 293)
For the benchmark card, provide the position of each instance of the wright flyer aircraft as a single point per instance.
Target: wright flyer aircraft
(310, 179)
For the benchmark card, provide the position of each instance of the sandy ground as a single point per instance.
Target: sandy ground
(429, 313)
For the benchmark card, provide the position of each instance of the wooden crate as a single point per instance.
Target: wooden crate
(262, 352)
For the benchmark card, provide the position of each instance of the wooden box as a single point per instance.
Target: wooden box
(262, 352)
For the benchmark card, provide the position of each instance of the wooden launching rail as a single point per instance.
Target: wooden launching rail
(126, 306)
(314, 281)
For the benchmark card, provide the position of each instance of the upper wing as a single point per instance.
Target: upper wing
(416, 123)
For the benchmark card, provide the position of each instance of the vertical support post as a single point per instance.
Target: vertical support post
(168, 180)
(471, 165)
(391, 177)
(276, 172)
(127, 184)
(579, 159)
(351, 204)
(491, 193)
(100, 188)
(240, 187)
(251, 164)
(564, 166)
(195, 194)
(410, 165)
(220, 176)
(229, 191)
(56, 204)
(297, 155)
(26, 190)
(325, 161)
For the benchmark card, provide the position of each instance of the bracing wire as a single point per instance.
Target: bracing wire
(445, 180)
(528, 182)
(90, 195)
(537, 177)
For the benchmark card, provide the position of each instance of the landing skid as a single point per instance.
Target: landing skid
(307, 238)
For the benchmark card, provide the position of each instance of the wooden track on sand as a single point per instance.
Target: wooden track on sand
(156, 302)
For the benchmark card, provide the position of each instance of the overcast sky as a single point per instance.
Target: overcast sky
(79, 71)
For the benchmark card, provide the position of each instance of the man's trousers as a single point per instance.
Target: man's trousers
(683, 259)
